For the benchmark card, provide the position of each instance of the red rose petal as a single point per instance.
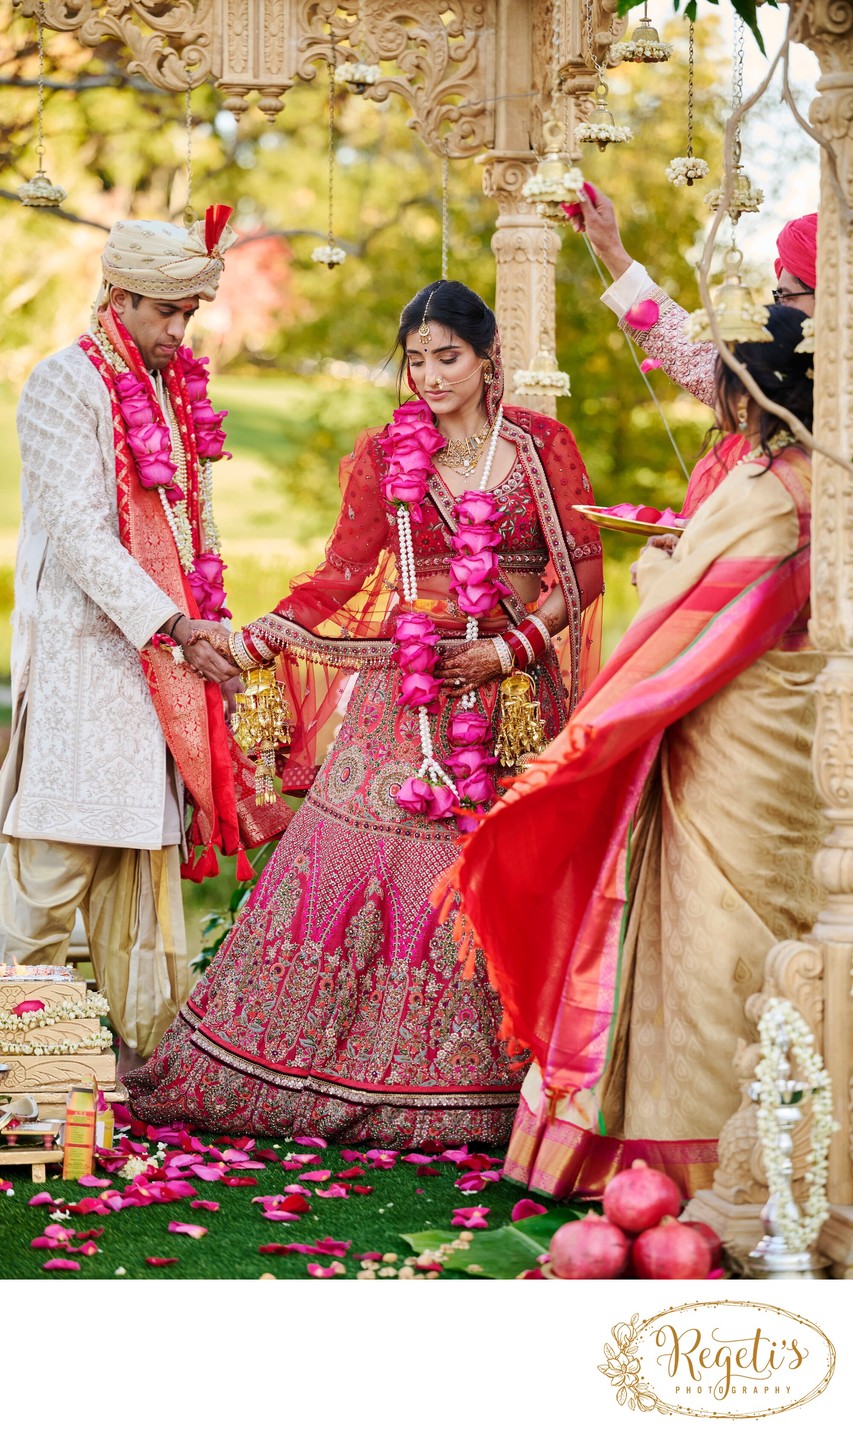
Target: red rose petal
(161, 1261)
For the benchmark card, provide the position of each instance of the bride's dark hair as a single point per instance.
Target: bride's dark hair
(455, 306)
(783, 375)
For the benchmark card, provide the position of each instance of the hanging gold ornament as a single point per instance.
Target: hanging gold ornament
(739, 319)
(600, 128)
(521, 732)
(745, 198)
(686, 169)
(556, 181)
(261, 724)
(645, 46)
(358, 75)
(330, 253)
(190, 216)
(544, 376)
(40, 192)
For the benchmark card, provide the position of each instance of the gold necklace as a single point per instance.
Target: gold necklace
(462, 455)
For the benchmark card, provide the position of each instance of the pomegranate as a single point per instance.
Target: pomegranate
(591, 1248)
(639, 1197)
(670, 1250)
(715, 1247)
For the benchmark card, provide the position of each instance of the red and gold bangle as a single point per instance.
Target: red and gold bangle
(243, 651)
(542, 627)
(528, 653)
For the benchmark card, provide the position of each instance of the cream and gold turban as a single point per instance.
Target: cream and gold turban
(163, 261)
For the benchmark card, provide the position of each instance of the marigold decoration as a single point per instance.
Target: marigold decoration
(261, 723)
(358, 75)
(40, 192)
(782, 1030)
(739, 319)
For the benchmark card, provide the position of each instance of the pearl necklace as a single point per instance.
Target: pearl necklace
(431, 768)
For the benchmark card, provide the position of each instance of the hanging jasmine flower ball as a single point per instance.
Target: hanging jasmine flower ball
(685, 169)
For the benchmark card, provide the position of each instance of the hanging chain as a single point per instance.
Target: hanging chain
(690, 55)
(331, 65)
(445, 212)
(554, 76)
(189, 213)
(590, 45)
(737, 82)
(40, 145)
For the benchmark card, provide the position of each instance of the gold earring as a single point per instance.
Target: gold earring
(488, 371)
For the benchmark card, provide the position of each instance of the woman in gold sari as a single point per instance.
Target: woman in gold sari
(628, 888)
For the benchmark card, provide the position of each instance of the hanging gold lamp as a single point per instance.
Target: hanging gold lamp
(739, 319)
(40, 192)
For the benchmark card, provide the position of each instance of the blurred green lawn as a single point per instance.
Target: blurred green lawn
(276, 502)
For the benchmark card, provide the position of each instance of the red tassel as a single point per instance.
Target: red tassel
(245, 871)
(215, 219)
(207, 866)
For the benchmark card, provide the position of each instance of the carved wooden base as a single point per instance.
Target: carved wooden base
(836, 1241)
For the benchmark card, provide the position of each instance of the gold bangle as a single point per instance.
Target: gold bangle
(237, 650)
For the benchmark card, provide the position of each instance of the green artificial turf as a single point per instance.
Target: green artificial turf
(402, 1201)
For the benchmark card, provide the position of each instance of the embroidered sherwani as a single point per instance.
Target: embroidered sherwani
(690, 364)
(88, 767)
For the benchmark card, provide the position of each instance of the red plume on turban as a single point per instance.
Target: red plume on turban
(216, 218)
(797, 246)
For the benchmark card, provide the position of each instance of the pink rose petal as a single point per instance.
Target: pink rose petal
(332, 1247)
(368, 1256)
(207, 1206)
(161, 1261)
(643, 315)
(317, 1177)
(208, 1172)
(315, 1270)
(60, 1264)
(43, 1198)
(188, 1229)
(470, 1217)
(350, 1155)
(279, 1214)
(87, 1181)
(44, 1241)
(415, 1158)
(311, 1142)
(334, 1190)
(526, 1207)
(29, 1005)
(648, 365)
(55, 1229)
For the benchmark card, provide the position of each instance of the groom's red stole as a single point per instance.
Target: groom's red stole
(218, 777)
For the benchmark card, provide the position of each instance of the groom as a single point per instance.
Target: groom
(120, 761)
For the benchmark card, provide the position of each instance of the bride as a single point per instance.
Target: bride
(340, 1004)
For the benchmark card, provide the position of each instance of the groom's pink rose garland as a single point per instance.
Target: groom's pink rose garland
(408, 444)
(150, 441)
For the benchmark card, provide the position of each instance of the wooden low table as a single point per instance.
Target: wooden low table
(51, 1102)
(35, 1158)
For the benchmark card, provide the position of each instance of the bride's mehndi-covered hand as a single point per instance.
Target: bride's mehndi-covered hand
(468, 668)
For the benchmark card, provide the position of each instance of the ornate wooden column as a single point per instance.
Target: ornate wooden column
(829, 32)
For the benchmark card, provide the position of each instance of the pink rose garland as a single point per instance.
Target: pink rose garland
(408, 445)
(150, 443)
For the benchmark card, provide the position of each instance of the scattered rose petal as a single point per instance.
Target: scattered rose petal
(207, 1206)
(88, 1249)
(281, 1247)
(29, 1005)
(361, 1188)
(352, 1173)
(6, 1187)
(425, 1263)
(92, 1232)
(311, 1142)
(526, 1207)
(317, 1177)
(334, 1190)
(383, 1162)
(43, 1198)
(188, 1229)
(45, 1241)
(267, 1154)
(415, 1158)
(298, 1188)
(61, 1264)
(471, 1183)
(531, 1272)
(332, 1247)
(375, 1153)
(429, 1172)
(280, 1215)
(208, 1172)
(161, 1261)
(469, 1217)
(643, 315)
(232, 1181)
(88, 1181)
(453, 1155)
(368, 1256)
(61, 1233)
(121, 1114)
(315, 1270)
(478, 1162)
(350, 1155)
(647, 365)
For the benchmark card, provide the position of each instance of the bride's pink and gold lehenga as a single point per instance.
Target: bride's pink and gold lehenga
(339, 1005)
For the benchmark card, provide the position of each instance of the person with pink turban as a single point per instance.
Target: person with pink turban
(690, 365)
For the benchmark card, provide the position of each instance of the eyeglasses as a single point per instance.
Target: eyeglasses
(783, 296)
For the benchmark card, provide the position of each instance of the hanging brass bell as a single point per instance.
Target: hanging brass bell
(740, 320)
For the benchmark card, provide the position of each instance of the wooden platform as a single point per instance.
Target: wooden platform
(51, 1102)
(37, 1159)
